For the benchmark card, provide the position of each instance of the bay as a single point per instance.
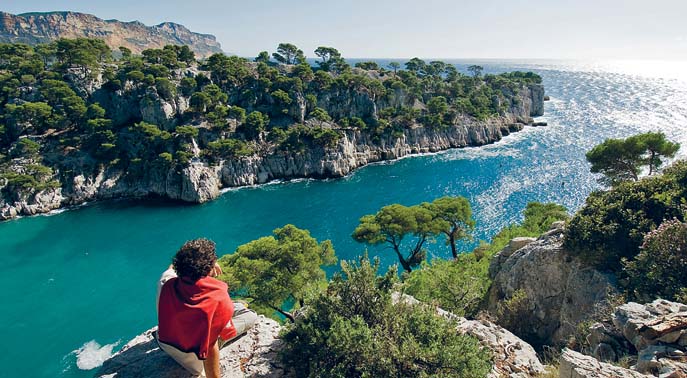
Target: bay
(87, 275)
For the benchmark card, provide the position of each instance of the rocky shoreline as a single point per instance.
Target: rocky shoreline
(201, 182)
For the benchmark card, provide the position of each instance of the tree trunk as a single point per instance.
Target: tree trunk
(403, 261)
(651, 162)
(452, 241)
(286, 314)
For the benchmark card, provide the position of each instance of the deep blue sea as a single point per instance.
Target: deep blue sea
(79, 284)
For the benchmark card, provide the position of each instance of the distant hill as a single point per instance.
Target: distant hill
(33, 28)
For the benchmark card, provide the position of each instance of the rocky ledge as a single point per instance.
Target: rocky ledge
(252, 355)
(256, 353)
(651, 338)
(200, 182)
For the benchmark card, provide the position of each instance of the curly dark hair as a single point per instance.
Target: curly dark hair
(195, 259)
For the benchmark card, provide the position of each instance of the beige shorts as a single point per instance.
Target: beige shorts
(243, 320)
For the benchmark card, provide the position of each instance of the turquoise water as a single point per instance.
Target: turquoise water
(88, 275)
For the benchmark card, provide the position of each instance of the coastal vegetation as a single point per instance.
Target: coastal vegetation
(461, 285)
(276, 272)
(358, 324)
(634, 230)
(450, 216)
(616, 230)
(622, 159)
(356, 329)
(71, 107)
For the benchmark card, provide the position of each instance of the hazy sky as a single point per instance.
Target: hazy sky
(603, 29)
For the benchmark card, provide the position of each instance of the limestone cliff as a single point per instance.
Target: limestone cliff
(35, 28)
(201, 180)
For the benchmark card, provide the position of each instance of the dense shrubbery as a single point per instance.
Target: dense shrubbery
(354, 329)
(660, 268)
(634, 230)
(612, 224)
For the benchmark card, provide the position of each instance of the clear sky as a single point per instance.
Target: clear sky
(566, 29)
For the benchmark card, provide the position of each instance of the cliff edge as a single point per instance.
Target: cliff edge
(33, 28)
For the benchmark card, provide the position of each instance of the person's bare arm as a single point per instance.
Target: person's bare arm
(211, 364)
(216, 271)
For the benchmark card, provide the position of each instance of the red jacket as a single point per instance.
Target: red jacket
(191, 316)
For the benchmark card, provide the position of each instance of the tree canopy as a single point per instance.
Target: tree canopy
(622, 159)
(456, 214)
(275, 272)
(611, 225)
(288, 53)
(475, 70)
(394, 223)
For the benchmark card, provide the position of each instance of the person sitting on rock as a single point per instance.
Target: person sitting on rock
(196, 316)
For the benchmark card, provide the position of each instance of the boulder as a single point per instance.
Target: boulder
(252, 355)
(500, 257)
(512, 356)
(658, 331)
(660, 321)
(199, 183)
(560, 291)
(577, 365)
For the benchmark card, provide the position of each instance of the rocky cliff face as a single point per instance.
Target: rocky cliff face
(559, 291)
(202, 181)
(35, 28)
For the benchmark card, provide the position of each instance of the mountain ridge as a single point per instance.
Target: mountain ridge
(41, 27)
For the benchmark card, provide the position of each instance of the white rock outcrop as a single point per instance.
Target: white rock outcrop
(577, 365)
(560, 291)
(252, 355)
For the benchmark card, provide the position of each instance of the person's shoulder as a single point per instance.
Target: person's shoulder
(215, 282)
(166, 276)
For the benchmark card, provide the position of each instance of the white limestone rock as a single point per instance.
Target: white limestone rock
(252, 355)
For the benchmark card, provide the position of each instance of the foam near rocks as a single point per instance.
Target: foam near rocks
(92, 355)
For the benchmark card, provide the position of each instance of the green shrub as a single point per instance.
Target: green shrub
(165, 88)
(187, 86)
(511, 311)
(166, 157)
(320, 115)
(456, 285)
(187, 132)
(36, 177)
(26, 147)
(135, 76)
(228, 148)
(354, 329)
(612, 224)
(660, 268)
